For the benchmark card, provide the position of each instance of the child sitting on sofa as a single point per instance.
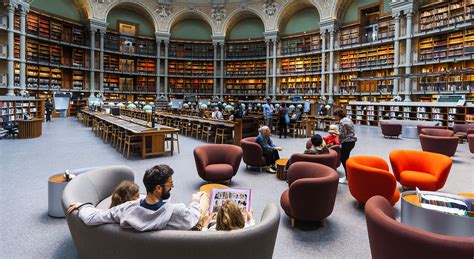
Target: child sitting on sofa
(125, 191)
(229, 217)
(333, 137)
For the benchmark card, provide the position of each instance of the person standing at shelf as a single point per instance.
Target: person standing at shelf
(49, 109)
(268, 113)
(347, 138)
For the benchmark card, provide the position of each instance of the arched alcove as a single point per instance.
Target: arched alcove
(133, 15)
(304, 20)
(63, 8)
(247, 28)
(191, 29)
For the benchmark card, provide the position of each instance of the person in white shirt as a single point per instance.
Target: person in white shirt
(154, 212)
(217, 114)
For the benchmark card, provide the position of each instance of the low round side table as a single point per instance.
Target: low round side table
(281, 164)
(56, 184)
(207, 188)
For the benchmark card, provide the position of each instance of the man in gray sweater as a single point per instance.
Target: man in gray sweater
(152, 212)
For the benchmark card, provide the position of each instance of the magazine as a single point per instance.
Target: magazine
(451, 204)
(240, 196)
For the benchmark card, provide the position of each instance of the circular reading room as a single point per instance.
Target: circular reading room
(237, 129)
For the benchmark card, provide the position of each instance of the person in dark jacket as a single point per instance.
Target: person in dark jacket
(282, 115)
(318, 146)
(270, 150)
(49, 109)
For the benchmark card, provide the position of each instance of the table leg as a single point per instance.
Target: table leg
(172, 143)
(143, 147)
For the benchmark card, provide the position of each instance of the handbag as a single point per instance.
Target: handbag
(287, 119)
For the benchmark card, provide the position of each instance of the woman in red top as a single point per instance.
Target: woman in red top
(333, 137)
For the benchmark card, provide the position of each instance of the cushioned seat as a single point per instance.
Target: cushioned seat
(252, 153)
(369, 176)
(217, 162)
(461, 130)
(439, 141)
(312, 192)
(216, 172)
(336, 148)
(470, 139)
(330, 159)
(391, 129)
(112, 241)
(390, 239)
(425, 170)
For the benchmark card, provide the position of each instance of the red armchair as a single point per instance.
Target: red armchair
(389, 238)
(252, 153)
(470, 140)
(330, 159)
(391, 129)
(370, 176)
(312, 192)
(217, 162)
(425, 170)
(439, 141)
(461, 130)
(420, 127)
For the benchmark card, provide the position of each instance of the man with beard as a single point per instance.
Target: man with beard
(153, 212)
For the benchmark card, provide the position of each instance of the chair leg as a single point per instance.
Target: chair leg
(293, 222)
(177, 141)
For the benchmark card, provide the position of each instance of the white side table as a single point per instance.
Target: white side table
(56, 184)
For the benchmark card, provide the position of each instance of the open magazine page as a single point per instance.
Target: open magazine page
(240, 196)
(443, 203)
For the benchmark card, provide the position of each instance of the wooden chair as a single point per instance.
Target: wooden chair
(106, 132)
(186, 125)
(208, 131)
(131, 142)
(222, 133)
(196, 128)
(119, 140)
(171, 137)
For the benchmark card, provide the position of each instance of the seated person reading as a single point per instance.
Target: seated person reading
(153, 212)
(270, 151)
(229, 217)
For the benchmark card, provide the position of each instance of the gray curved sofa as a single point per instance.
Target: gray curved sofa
(111, 241)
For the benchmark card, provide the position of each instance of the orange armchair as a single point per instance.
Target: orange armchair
(369, 176)
(425, 170)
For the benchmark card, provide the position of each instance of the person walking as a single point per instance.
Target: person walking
(268, 113)
(49, 109)
(283, 120)
(347, 138)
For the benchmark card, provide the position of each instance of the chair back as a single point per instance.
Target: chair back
(252, 152)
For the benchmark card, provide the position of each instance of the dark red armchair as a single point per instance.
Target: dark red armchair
(461, 130)
(391, 129)
(441, 141)
(470, 141)
(312, 192)
(332, 159)
(420, 127)
(389, 238)
(252, 153)
(336, 148)
(217, 162)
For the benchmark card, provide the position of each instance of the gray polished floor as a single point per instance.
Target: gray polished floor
(27, 231)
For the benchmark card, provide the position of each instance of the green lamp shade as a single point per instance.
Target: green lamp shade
(229, 108)
(203, 106)
(147, 108)
(120, 105)
(132, 106)
(292, 107)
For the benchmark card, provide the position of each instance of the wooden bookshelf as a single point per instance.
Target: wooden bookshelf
(366, 58)
(180, 85)
(245, 86)
(346, 85)
(300, 65)
(146, 66)
(246, 68)
(246, 49)
(445, 77)
(191, 50)
(15, 108)
(146, 84)
(368, 113)
(297, 44)
(111, 62)
(76, 105)
(111, 82)
(445, 13)
(449, 45)
(300, 84)
(350, 35)
(386, 28)
(184, 68)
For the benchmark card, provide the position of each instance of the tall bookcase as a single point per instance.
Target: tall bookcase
(245, 68)
(14, 109)
(191, 67)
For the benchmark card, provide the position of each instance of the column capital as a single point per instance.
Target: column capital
(162, 36)
(218, 39)
(330, 25)
(24, 9)
(271, 36)
(98, 25)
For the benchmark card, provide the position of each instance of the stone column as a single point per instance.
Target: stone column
(11, 45)
(215, 45)
(101, 61)
(267, 70)
(396, 62)
(222, 46)
(323, 63)
(167, 43)
(274, 68)
(92, 63)
(331, 66)
(408, 56)
(158, 67)
(23, 12)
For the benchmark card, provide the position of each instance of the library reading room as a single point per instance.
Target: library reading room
(292, 129)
